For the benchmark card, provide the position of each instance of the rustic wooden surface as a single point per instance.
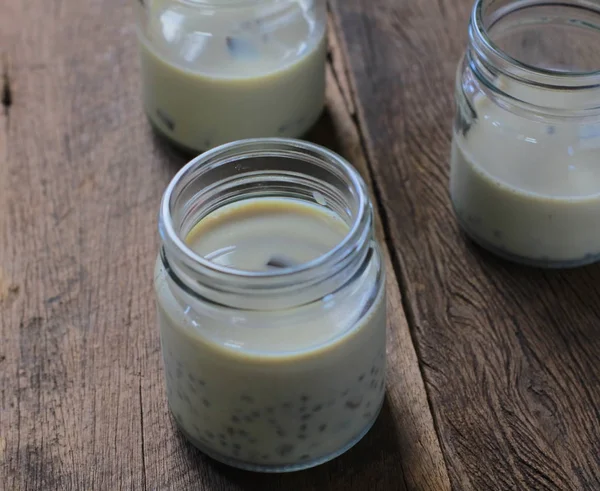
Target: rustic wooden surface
(510, 355)
(493, 380)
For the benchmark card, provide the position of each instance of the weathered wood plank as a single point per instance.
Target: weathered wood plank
(83, 404)
(77, 234)
(510, 355)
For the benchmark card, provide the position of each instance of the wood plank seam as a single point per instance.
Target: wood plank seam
(355, 112)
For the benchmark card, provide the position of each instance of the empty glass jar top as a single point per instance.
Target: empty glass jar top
(525, 167)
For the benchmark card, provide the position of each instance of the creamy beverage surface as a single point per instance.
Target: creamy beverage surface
(214, 75)
(277, 387)
(528, 189)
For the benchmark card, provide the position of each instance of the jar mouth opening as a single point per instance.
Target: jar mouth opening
(549, 43)
(233, 155)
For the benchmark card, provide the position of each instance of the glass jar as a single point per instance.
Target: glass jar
(525, 165)
(281, 369)
(215, 71)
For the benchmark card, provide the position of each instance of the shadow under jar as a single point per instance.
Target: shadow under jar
(271, 304)
(525, 165)
(215, 71)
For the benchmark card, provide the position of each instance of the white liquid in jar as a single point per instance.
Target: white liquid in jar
(526, 189)
(211, 76)
(272, 389)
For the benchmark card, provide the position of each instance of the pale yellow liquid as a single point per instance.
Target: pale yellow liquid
(211, 77)
(526, 189)
(287, 388)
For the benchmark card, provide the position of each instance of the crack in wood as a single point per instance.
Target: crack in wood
(7, 98)
(385, 221)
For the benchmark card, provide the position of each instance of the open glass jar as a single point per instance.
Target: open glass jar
(271, 365)
(215, 71)
(525, 166)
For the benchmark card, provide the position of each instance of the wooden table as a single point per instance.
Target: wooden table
(494, 373)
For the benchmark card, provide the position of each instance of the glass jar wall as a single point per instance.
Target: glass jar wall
(215, 71)
(525, 165)
(273, 323)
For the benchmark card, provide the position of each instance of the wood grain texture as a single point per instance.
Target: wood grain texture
(83, 400)
(511, 355)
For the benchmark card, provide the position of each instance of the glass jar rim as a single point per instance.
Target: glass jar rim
(232, 153)
(489, 50)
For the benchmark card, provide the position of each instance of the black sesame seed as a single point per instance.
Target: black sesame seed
(304, 398)
(192, 389)
(322, 427)
(301, 436)
(373, 370)
(373, 384)
(242, 433)
(362, 376)
(237, 446)
(280, 432)
(317, 408)
(302, 409)
(201, 382)
(235, 419)
(345, 393)
(367, 415)
(222, 436)
(304, 456)
(285, 449)
(247, 398)
(306, 417)
(264, 456)
(256, 414)
(206, 402)
(287, 405)
(270, 410)
(249, 419)
(223, 443)
(210, 434)
(280, 262)
(353, 403)
(167, 121)
(303, 427)
(230, 431)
